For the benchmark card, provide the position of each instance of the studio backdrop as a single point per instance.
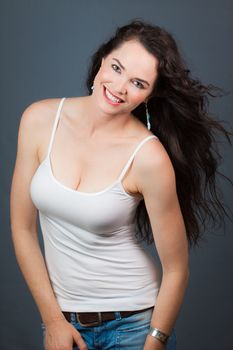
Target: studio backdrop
(45, 52)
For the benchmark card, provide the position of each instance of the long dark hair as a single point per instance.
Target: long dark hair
(179, 117)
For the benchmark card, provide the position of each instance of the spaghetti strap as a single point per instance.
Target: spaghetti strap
(133, 155)
(55, 125)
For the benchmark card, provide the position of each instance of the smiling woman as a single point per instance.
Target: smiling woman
(120, 83)
(126, 161)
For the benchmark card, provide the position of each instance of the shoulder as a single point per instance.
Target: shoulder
(42, 112)
(38, 112)
(38, 117)
(153, 168)
(35, 123)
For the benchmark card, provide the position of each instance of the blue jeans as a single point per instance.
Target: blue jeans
(127, 333)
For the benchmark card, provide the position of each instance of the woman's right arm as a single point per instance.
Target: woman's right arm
(23, 217)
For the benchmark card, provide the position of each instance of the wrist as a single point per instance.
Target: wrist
(52, 320)
(158, 334)
(152, 343)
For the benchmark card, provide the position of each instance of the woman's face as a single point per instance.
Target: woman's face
(126, 78)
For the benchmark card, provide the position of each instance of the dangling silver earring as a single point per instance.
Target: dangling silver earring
(147, 117)
(92, 87)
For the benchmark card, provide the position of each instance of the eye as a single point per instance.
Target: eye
(140, 85)
(115, 67)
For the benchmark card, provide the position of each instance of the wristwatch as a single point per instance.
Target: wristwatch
(156, 333)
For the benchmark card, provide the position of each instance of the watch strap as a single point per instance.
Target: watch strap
(156, 333)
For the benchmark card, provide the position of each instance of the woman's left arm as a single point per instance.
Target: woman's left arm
(156, 181)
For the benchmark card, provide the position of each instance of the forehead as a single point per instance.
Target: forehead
(134, 57)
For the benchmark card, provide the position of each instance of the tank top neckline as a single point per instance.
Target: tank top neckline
(118, 181)
(93, 193)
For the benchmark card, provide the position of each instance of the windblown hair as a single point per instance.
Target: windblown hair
(179, 115)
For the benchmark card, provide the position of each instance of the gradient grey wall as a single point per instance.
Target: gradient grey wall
(45, 50)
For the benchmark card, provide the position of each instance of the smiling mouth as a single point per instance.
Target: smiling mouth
(111, 98)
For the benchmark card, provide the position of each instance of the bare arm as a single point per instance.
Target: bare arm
(156, 181)
(23, 216)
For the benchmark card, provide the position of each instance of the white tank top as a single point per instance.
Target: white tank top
(93, 259)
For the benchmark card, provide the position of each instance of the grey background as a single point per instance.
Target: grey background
(45, 49)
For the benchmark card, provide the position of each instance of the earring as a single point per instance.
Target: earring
(147, 117)
(92, 87)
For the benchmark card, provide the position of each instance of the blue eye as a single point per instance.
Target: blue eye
(115, 67)
(140, 85)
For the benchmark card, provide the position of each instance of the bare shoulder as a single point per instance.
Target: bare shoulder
(34, 117)
(153, 167)
(152, 155)
(42, 113)
(36, 122)
(38, 113)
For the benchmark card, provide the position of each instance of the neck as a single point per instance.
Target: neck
(98, 122)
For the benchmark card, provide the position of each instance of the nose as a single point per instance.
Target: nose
(120, 87)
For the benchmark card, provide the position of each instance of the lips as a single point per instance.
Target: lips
(109, 100)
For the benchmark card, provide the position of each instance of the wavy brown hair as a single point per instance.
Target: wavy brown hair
(178, 108)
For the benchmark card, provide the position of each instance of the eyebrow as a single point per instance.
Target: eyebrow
(142, 80)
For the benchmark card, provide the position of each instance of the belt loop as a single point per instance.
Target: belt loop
(73, 317)
(118, 315)
(100, 317)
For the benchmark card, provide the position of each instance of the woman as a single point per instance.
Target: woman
(125, 161)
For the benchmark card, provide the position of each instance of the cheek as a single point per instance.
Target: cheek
(136, 95)
(104, 74)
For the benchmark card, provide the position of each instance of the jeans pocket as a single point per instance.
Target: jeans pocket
(133, 336)
(136, 321)
(132, 331)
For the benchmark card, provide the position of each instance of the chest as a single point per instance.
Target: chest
(89, 165)
(99, 212)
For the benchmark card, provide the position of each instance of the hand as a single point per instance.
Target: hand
(153, 344)
(60, 335)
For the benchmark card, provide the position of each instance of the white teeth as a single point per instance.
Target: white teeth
(111, 97)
